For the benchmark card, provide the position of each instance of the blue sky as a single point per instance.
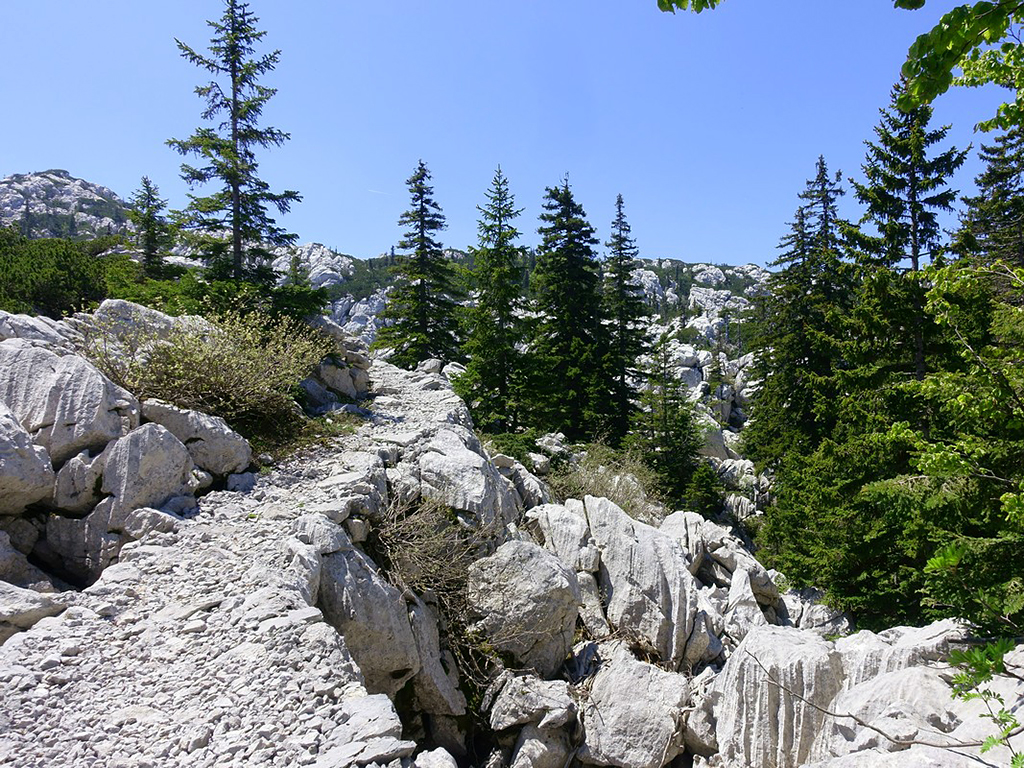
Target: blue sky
(708, 125)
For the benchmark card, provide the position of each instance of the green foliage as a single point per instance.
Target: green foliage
(229, 149)
(663, 433)
(494, 381)
(55, 277)
(991, 227)
(152, 232)
(977, 666)
(422, 306)
(518, 445)
(705, 492)
(684, 5)
(571, 383)
(625, 308)
(241, 367)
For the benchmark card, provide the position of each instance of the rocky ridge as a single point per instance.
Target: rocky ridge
(60, 205)
(257, 628)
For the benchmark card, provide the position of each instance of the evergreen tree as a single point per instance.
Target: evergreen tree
(228, 150)
(905, 189)
(152, 232)
(573, 391)
(494, 373)
(799, 339)
(26, 219)
(422, 305)
(993, 226)
(627, 311)
(663, 429)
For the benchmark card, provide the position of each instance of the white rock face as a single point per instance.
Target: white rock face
(87, 210)
(25, 472)
(529, 602)
(22, 608)
(758, 723)
(326, 267)
(634, 712)
(645, 576)
(372, 616)
(211, 443)
(528, 699)
(65, 403)
(145, 468)
(40, 330)
(77, 489)
(566, 534)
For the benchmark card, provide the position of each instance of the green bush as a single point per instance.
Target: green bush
(244, 368)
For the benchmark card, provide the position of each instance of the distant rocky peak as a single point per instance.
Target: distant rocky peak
(53, 203)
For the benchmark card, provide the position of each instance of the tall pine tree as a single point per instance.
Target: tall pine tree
(228, 148)
(799, 339)
(906, 187)
(423, 304)
(627, 311)
(494, 374)
(572, 393)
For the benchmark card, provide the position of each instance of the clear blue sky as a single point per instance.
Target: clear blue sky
(708, 125)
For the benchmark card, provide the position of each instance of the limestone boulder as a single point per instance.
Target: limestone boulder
(78, 484)
(528, 600)
(146, 468)
(687, 528)
(372, 616)
(538, 748)
(40, 330)
(26, 475)
(528, 699)
(17, 570)
(21, 608)
(645, 576)
(211, 443)
(758, 721)
(633, 713)
(742, 613)
(567, 535)
(63, 402)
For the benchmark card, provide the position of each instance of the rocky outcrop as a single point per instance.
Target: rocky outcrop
(211, 443)
(26, 476)
(21, 608)
(529, 602)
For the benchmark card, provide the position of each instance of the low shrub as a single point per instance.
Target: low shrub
(244, 368)
(619, 475)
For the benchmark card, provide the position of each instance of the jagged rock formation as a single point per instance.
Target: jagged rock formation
(59, 205)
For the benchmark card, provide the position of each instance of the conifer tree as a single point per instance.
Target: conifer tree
(904, 191)
(993, 225)
(627, 311)
(228, 148)
(573, 389)
(152, 231)
(798, 343)
(663, 429)
(494, 373)
(422, 305)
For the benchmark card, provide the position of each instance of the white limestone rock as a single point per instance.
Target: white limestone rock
(529, 601)
(742, 613)
(373, 618)
(211, 443)
(40, 330)
(77, 487)
(65, 403)
(436, 684)
(567, 535)
(21, 608)
(687, 528)
(528, 699)
(146, 468)
(633, 714)
(644, 574)
(539, 748)
(26, 476)
(761, 723)
(17, 570)
(805, 609)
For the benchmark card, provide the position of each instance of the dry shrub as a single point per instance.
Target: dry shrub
(618, 475)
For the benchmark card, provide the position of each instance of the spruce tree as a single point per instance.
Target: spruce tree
(152, 231)
(663, 429)
(228, 148)
(494, 374)
(905, 189)
(423, 304)
(573, 389)
(626, 309)
(993, 225)
(799, 339)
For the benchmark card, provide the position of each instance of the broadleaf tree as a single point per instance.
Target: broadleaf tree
(423, 304)
(235, 100)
